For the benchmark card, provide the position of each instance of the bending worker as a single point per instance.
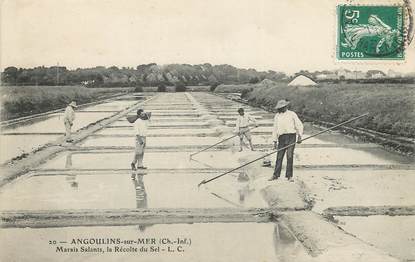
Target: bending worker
(242, 127)
(140, 131)
(68, 120)
(287, 128)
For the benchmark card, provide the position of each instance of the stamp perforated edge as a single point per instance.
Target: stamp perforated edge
(408, 34)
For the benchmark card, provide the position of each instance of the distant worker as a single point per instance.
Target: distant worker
(287, 130)
(140, 131)
(242, 127)
(68, 120)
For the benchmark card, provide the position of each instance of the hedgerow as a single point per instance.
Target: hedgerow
(391, 107)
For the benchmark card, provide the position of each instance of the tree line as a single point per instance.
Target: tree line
(143, 75)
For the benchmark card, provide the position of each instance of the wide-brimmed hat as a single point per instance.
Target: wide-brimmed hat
(240, 109)
(281, 104)
(73, 104)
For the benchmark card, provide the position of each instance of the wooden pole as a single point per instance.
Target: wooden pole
(273, 152)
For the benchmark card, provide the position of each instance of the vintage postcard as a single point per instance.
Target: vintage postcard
(212, 131)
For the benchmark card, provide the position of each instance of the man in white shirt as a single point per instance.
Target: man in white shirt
(242, 127)
(287, 129)
(68, 119)
(140, 131)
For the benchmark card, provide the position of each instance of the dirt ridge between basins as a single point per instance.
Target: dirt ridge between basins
(12, 170)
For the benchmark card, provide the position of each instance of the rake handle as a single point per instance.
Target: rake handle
(226, 139)
(273, 152)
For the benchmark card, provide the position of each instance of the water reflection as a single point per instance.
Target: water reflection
(70, 178)
(140, 191)
(287, 248)
(68, 162)
(140, 196)
(226, 200)
(245, 188)
(202, 163)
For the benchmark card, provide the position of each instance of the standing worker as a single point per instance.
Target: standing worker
(287, 128)
(140, 131)
(242, 127)
(68, 120)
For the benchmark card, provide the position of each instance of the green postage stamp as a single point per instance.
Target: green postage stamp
(370, 32)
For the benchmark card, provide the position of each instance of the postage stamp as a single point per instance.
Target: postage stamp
(370, 32)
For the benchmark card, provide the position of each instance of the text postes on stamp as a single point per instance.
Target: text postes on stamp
(370, 32)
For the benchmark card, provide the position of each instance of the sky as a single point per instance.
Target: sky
(281, 35)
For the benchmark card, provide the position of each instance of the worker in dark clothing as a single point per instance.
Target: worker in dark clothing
(287, 129)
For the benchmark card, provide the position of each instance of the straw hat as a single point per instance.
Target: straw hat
(73, 104)
(281, 104)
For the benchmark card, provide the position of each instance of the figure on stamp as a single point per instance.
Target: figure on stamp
(374, 28)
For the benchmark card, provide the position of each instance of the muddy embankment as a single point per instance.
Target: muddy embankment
(66, 218)
(369, 211)
(391, 120)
